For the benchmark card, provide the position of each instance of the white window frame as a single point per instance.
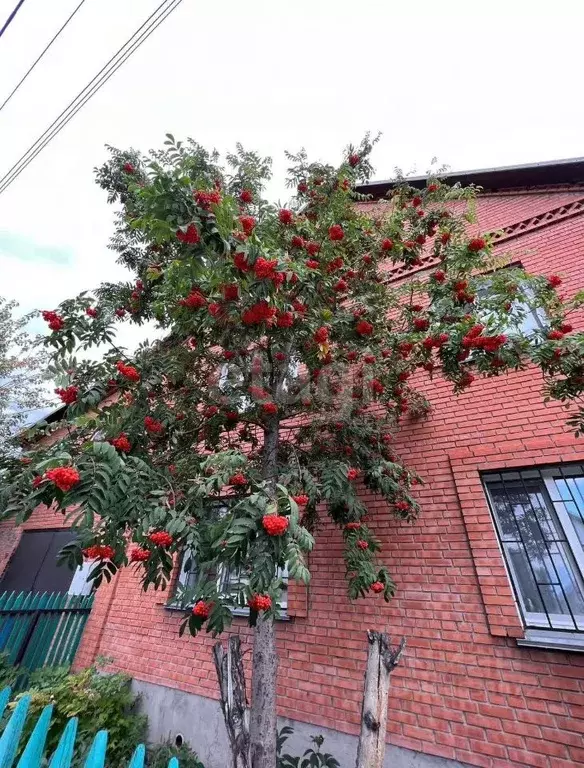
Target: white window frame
(223, 578)
(79, 584)
(538, 313)
(292, 374)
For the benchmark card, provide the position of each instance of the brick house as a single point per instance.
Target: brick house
(490, 578)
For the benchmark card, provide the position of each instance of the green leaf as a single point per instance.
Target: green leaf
(53, 461)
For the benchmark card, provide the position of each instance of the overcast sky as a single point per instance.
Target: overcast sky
(474, 84)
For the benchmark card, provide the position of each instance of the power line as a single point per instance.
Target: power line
(9, 19)
(41, 56)
(90, 90)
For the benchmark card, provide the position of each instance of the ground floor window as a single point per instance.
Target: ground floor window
(230, 581)
(539, 517)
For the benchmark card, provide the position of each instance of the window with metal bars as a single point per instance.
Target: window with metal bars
(539, 517)
(230, 581)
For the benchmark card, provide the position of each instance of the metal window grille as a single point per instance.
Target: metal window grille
(229, 580)
(539, 517)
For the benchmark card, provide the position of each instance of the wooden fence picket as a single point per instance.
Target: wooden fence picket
(32, 753)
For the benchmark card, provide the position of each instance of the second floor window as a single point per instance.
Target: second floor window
(539, 516)
(524, 317)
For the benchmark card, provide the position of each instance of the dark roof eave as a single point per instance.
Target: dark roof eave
(551, 173)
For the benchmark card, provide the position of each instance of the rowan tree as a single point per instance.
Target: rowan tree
(22, 374)
(286, 366)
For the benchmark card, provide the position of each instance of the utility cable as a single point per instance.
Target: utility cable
(90, 90)
(10, 18)
(41, 56)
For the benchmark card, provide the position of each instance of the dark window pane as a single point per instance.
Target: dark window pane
(504, 514)
(52, 577)
(523, 575)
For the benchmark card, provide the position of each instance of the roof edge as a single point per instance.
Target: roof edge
(550, 173)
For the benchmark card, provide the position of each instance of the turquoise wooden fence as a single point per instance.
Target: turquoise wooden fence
(42, 629)
(32, 754)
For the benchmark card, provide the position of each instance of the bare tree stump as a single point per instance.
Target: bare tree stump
(231, 676)
(381, 661)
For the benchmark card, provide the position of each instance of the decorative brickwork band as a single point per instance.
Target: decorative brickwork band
(509, 232)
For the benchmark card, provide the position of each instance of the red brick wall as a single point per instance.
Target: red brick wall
(465, 689)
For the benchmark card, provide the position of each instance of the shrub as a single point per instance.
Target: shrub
(8, 672)
(158, 755)
(312, 758)
(47, 678)
(99, 701)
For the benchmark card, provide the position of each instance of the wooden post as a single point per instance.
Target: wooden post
(381, 661)
(231, 676)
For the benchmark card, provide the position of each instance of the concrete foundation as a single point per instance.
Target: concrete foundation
(200, 722)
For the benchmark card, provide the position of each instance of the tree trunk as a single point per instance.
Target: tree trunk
(381, 661)
(263, 724)
(231, 678)
(263, 727)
